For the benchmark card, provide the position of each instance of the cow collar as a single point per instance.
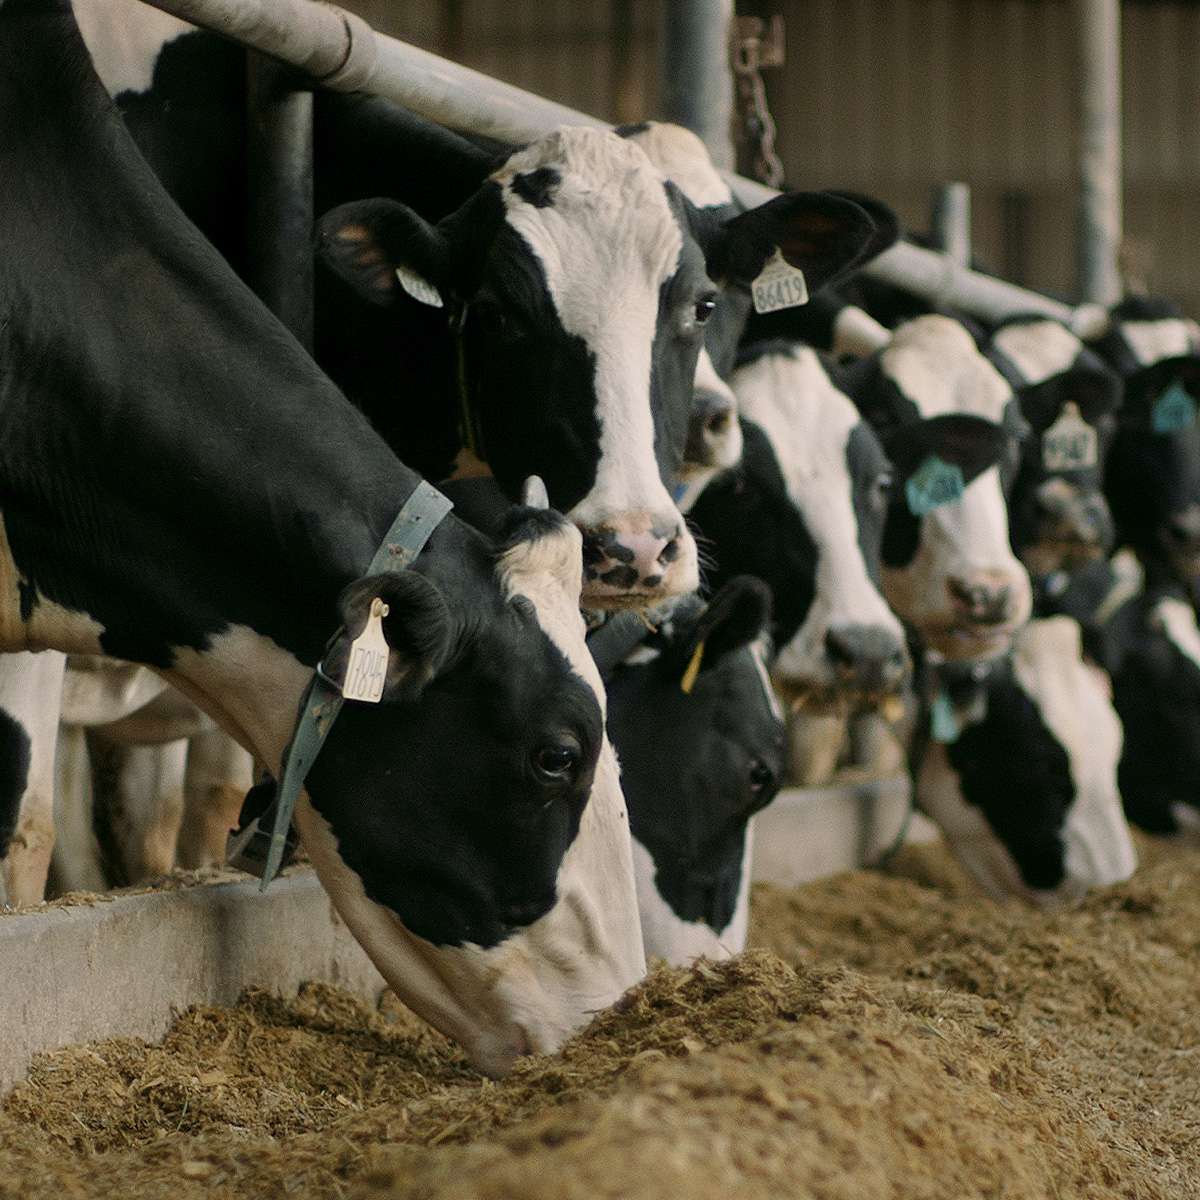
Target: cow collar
(421, 514)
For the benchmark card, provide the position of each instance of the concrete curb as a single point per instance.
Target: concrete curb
(120, 965)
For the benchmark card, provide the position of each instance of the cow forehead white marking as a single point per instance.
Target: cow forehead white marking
(1038, 349)
(684, 159)
(1152, 341)
(1179, 622)
(934, 361)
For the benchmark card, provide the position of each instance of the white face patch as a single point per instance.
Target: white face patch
(1178, 621)
(606, 244)
(808, 422)
(1038, 349)
(934, 361)
(1152, 341)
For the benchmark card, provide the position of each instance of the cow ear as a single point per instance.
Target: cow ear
(380, 246)
(734, 617)
(418, 629)
(820, 234)
(887, 224)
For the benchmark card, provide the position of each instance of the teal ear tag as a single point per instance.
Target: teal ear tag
(933, 484)
(1173, 410)
(945, 720)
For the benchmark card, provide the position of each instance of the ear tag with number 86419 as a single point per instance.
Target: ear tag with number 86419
(367, 668)
(779, 285)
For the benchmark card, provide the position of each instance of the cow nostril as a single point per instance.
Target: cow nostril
(983, 604)
(672, 550)
(718, 423)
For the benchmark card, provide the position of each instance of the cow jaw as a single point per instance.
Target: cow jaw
(530, 992)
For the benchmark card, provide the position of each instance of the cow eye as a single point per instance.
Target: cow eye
(555, 762)
(761, 776)
(704, 308)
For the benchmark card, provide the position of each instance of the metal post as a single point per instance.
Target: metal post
(1098, 36)
(279, 143)
(950, 222)
(697, 80)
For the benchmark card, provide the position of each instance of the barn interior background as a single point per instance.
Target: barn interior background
(894, 98)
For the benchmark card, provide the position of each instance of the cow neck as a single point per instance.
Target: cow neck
(420, 515)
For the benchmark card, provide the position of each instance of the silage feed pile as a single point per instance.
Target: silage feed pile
(889, 1037)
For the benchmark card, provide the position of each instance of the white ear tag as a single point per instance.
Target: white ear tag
(779, 285)
(1070, 443)
(367, 668)
(934, 483)
(419, 289)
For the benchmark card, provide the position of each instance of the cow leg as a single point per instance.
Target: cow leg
(75, 865)
(143, 802)
(219, 774)
(30, 692)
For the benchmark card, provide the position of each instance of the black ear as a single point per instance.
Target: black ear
(418, 629)
(367, 241)
(820, 234)
(971, 443)
(733, 618)
(887, 224)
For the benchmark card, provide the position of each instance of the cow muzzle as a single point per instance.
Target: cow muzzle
(637, 561)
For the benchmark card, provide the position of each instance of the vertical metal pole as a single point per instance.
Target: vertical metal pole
(950, 222)
(697, 79)
(1098, 37)
(279, 144)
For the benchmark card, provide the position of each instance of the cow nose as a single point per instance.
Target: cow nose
(1067, 515)
(1183, 531)
(712, 430)
(868, 656)
(628, 558)
(980, 602)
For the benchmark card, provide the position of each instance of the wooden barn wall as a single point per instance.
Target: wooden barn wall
(894, 97)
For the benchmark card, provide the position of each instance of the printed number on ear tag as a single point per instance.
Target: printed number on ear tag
(933, 484)
(419, 289)
(1173, 410)
(1070, 443)
(779, 285)
(367, 668)
(945, 720)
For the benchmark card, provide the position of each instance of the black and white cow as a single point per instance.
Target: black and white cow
(1024, 788)
(569, 288)
(1058, 518)
(1152, 473)
(804, 511)
(699, 735)
(182, 487)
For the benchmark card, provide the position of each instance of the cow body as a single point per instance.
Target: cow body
(183, 488)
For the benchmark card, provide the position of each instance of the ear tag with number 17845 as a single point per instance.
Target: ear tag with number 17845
(367, 668)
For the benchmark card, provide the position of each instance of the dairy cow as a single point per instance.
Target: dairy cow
(1026, 789)
(699, 734)
(804, 511)
(181, 487)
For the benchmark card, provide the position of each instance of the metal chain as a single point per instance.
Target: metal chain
(751, 51)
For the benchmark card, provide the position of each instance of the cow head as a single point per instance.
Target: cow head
(1058, 518)
(1152, 475)
(471, 827)
(847, 651)
(950, 426)
(1026, 792)
(699, 736)
(581, 281)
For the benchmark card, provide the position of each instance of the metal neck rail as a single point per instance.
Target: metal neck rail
(339, 50)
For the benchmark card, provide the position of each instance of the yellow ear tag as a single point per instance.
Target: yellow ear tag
(779, 285)
(367, 668)
(693, 669)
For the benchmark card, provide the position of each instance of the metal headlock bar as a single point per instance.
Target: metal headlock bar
(338, 49)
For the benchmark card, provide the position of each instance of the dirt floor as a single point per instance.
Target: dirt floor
(889, 1037)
